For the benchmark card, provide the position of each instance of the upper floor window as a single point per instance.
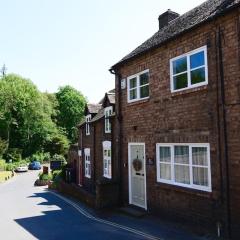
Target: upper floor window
(189, 70)
(87, 162)
(186, 165)
(88, 119)
(107, 113)
(138, 86)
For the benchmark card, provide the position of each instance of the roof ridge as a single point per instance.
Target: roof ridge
(192, 18)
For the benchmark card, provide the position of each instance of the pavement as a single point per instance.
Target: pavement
(28, 212)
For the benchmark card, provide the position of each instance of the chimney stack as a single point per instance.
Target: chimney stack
(165, 18)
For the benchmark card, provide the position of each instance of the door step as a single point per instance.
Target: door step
(133, 211)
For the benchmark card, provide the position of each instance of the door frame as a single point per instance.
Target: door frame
(130, 173)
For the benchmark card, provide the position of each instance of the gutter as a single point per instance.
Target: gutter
(118, 127)
(223, 149)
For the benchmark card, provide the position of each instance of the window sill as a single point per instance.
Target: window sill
(182, 189)
(139, 102)
(190, 90)
(107, 177)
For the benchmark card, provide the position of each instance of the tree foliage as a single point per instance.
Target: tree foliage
(71, 104)
(3, 147)
(27, 116)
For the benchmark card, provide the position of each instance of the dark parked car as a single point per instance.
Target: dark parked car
(34, 165)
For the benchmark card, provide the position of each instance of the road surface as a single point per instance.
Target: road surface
(28, 212)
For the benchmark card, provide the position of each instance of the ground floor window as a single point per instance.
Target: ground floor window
(87, 162)
(107, 159)
(185, 165)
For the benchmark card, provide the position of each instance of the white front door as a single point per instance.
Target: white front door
(137, 174)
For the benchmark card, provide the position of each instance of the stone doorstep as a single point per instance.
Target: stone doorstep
(133, 211)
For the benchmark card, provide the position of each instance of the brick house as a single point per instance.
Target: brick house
(96, 170)
(178, 118)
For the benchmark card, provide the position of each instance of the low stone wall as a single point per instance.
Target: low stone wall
(77, 192)
(39, 182)
(107, 194)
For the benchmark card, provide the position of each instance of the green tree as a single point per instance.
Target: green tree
(25, 115)
(71, 104)
(3, 147)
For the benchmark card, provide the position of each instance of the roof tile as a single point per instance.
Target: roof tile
(206, 11)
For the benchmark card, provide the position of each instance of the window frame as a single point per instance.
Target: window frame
(87, 163)
(88, 119)
(137, 76)
(107, 145)
(188, 55)
(107, 124)
(191, 165)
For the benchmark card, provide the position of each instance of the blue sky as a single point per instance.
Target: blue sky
(60, 42)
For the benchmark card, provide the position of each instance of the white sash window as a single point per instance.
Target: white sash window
(107, 159)
(107, 113)
(186, 165)
(87, 162)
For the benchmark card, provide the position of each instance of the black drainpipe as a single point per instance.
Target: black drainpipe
(81, 162)
(224, 148)
(94, 158)
(119, 134)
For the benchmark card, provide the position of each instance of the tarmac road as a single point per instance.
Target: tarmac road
(28, 212)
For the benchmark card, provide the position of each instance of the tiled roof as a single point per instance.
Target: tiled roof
(93, 108)
(205, 12)
(81, 123)
(111, 97)
(112, 91)
(99, 115)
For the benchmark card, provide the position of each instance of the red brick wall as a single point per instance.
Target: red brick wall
(88, 142)
(231, 59)
(186, 117)
(100, 137)
(94, 142)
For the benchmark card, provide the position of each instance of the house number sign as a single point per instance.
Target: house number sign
(123, 83)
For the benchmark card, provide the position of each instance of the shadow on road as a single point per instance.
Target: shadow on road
(58, 220)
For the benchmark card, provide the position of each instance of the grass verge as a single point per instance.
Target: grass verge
(5, 175)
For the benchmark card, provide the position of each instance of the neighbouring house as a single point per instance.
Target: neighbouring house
(178, 119)
(95, 167)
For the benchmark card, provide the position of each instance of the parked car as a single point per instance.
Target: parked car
(34, 165)
(22, 168)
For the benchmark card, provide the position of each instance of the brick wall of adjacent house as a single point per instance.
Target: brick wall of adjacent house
(105, 187)
(98, 185)
(231, 50)
(72, 155)
(73, 160)
(189, 116)
(100, 137)
(87, 141)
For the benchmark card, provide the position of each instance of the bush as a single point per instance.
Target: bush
(14, 165)
(10, 167)
(45, 177)
(13, 155)
(2, 165)
(57, 175)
